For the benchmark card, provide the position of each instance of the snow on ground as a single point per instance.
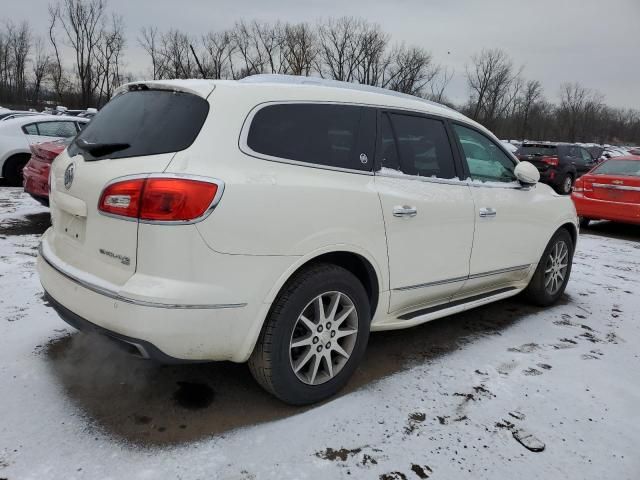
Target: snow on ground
(443, 400)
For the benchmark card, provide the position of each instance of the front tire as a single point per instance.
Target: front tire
(552, 274)
(584, 222)
(314, 336)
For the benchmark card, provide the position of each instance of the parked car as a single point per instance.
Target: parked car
(560, 164)
(9, 114)
(36, 171)
(17, 135)
(611, 191)
(634, 151)
(277, 220)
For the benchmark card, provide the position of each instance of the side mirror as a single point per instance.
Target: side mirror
(527, 173)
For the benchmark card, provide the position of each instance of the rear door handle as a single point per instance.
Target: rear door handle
(488, 212)
(404, 211)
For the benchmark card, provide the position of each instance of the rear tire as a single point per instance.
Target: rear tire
(13, 170)
(584, 222)
(301, 375)
(566, 185)
(552, 274)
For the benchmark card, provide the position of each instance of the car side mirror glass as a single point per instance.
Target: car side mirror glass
(527, 173)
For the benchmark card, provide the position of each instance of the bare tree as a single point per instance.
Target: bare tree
(219, 48)
(439, 84)
(532, 95)
(149, 41)
(41, 63)
(19, 42)
(340, 48)
(373, 44)
(300, 49)
(494, 85)
(82, 22)
(108, 60)
(409, 70)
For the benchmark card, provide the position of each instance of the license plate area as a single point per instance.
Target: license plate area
(72, 226)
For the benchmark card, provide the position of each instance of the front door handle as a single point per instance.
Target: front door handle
(488, 212)
(404, 211)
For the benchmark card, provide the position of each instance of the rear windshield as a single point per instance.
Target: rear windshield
(142, 122)
(538, 150)
(630, 168)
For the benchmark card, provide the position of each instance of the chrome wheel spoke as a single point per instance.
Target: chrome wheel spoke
(340, 351)
(314, 369)
(327, 361)
(345, 333)
(307, 323)
(310, 354)
(304, 342)
(343, 316)
(323, 338)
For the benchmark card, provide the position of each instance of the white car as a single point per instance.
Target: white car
(277, 220)
(18, 133)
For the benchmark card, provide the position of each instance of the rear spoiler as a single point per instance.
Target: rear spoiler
(201, 88)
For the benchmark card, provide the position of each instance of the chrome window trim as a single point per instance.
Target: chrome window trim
(212, 206)
(143, 303)
(617, 187)
(467, 277)
(452, 181)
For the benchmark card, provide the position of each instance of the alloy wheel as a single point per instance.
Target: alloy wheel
(323, 338)
(568, 184)
(556, 267)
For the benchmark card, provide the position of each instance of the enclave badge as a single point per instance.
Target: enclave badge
(68, 175)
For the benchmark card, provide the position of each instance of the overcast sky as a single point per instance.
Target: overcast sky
(595, 42)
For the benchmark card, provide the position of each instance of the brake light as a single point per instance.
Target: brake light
(578, 187)
(163, 199)
(551, 160)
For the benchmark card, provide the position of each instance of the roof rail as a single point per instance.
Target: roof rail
(324, 82)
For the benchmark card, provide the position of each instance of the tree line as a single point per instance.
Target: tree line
(80, 61)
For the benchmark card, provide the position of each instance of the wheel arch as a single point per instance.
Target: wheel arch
(359, 263)
(8, 159)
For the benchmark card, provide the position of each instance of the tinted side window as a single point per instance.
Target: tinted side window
(31, 129)
(586, 156)
(423, 146)
(486, 161)
(322, 134)
(150, 122)
(57, 129)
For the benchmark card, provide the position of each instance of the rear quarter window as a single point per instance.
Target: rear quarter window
(322, 134)
(151, 122)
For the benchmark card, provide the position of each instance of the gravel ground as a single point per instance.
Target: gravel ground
(503, 391)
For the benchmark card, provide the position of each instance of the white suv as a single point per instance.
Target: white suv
(280, 219)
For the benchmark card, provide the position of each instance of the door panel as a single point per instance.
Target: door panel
(428, 212)
(429, 252)
(509, 219)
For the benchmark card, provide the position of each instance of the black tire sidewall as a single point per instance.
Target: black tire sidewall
(286, 384)
(536, 289)
(569, 177)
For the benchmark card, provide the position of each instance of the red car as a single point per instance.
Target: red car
(36, 171)
(611, 191)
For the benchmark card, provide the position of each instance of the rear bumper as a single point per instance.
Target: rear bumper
(606, 210)
(133, 345)
(168, 333)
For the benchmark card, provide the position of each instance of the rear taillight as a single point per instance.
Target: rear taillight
(160, 199)
(551, 160)
(44, 154)
(578, 187)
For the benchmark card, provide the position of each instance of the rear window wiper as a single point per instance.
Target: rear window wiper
(101, 149)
